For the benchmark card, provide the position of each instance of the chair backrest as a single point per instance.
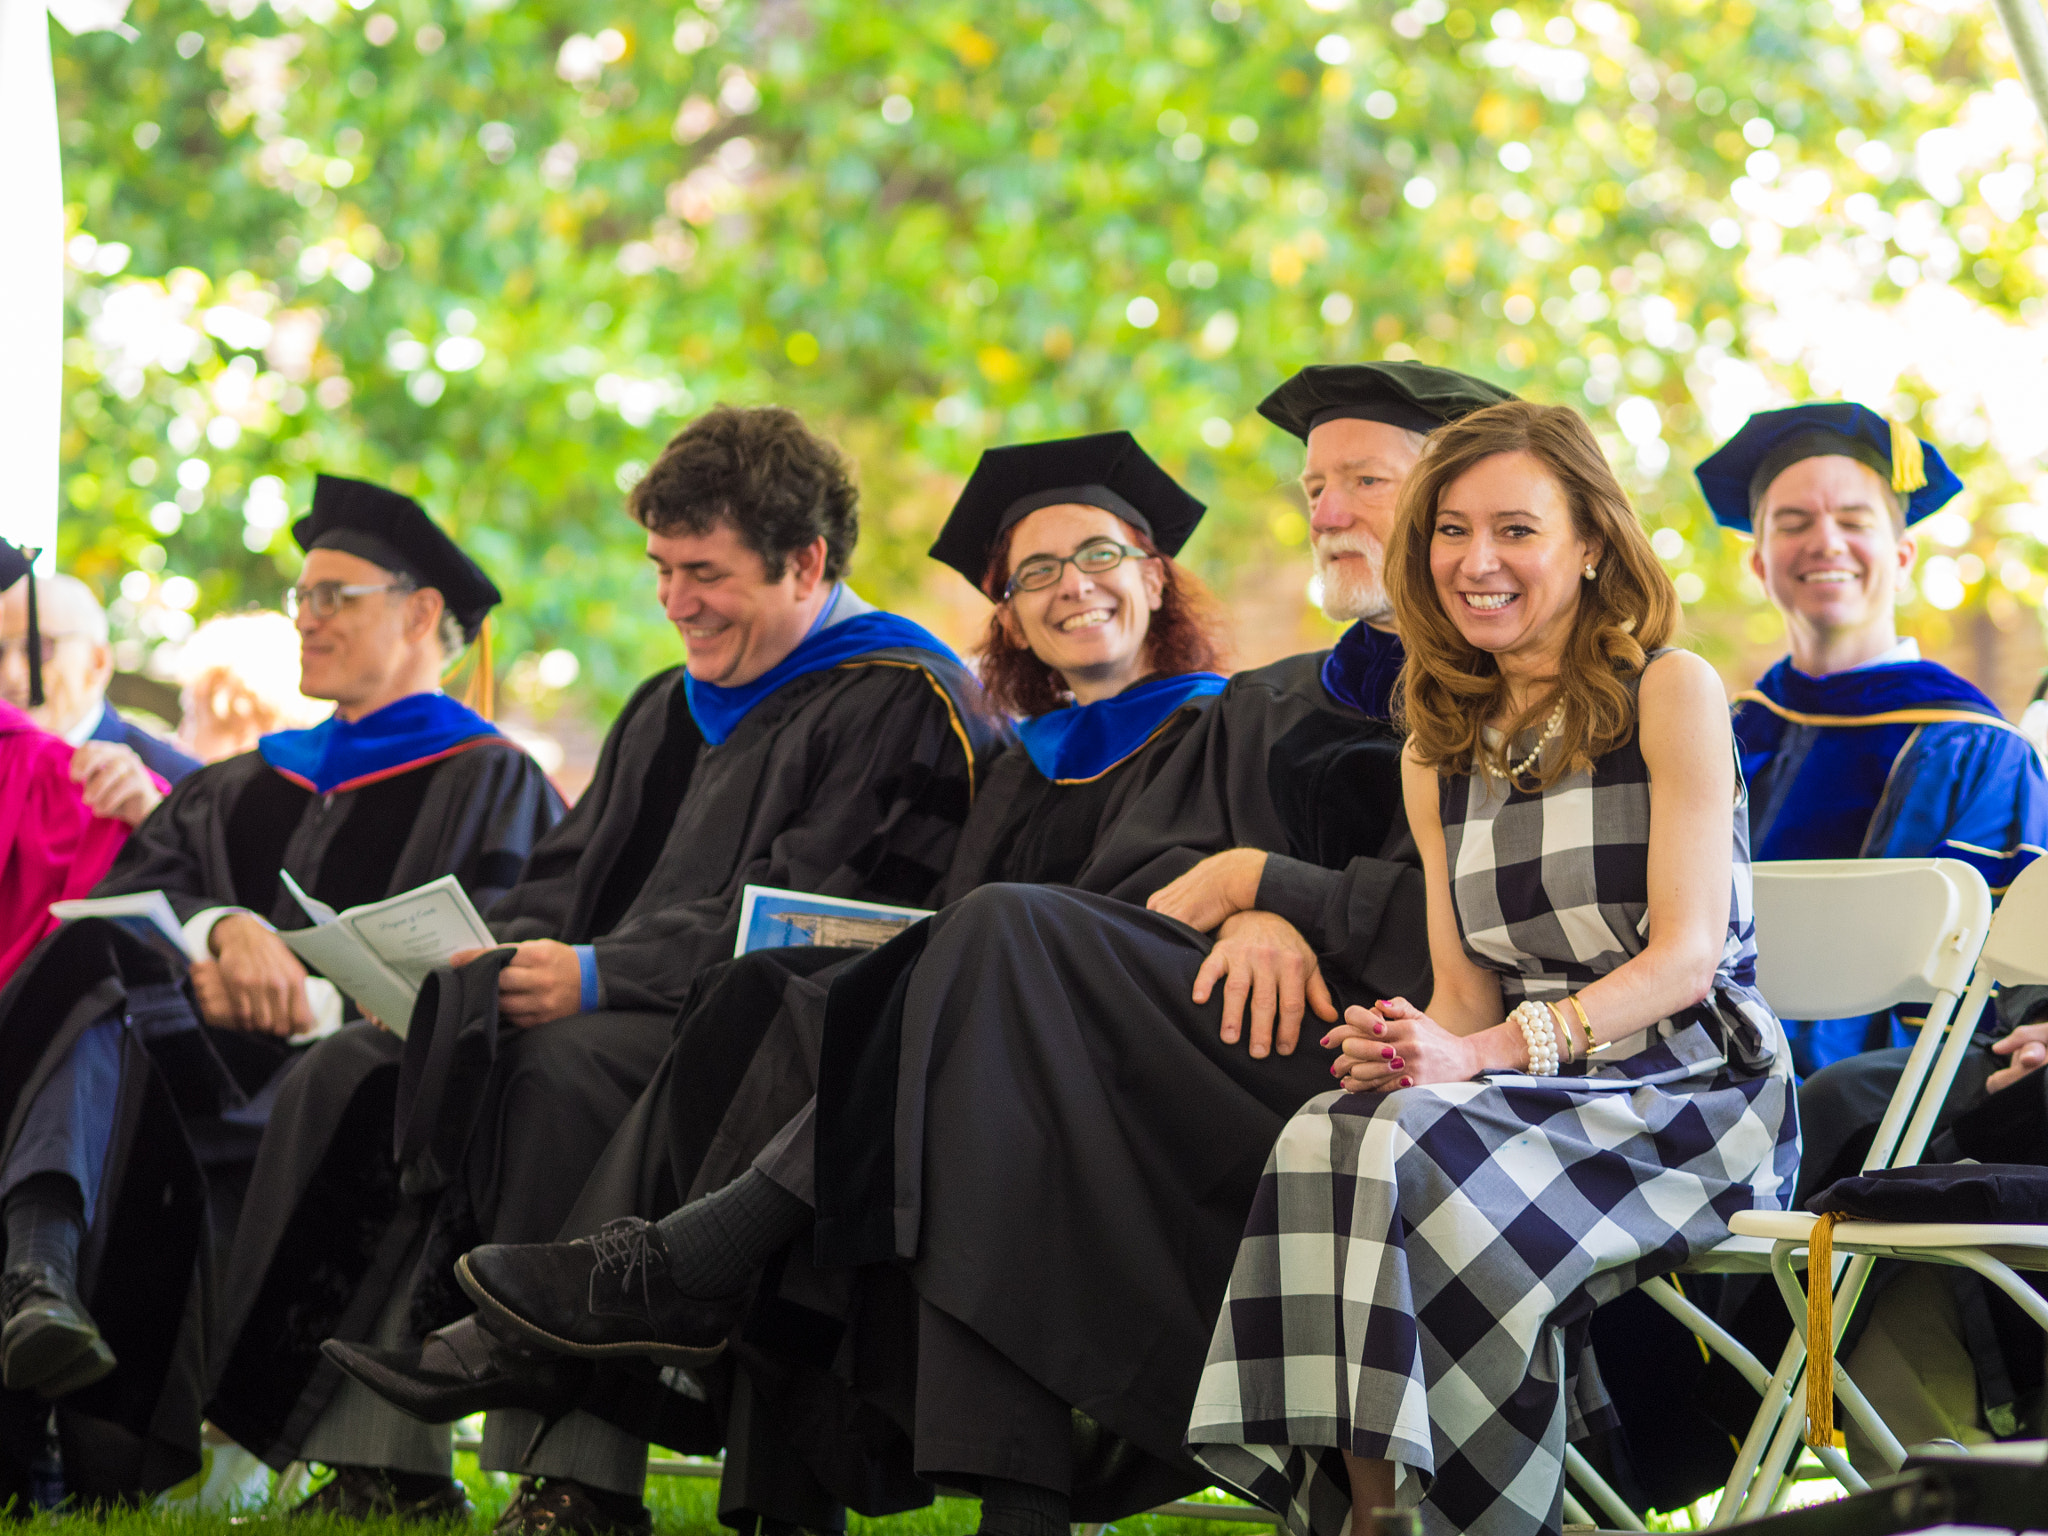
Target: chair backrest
(1837, 938)
(2016, 953)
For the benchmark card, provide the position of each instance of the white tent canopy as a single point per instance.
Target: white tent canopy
(32, 260)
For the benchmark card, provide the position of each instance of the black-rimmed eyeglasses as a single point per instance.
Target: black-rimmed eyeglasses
(1091, 559)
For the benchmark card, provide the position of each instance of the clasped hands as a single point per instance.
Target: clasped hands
(1394, 1044)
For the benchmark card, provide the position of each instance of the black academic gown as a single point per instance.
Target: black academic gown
(1034, 1157)
(745, 1056)
(194, 1098)
(394, 1159)
(746, 1043)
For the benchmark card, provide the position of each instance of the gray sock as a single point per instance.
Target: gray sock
(46, 1223)
(719, 1243)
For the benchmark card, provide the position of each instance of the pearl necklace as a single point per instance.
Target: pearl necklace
(1522, 769)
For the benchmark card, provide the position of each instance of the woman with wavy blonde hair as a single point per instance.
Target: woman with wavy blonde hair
(1595, 1084)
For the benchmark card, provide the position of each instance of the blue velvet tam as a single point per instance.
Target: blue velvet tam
(1736, 475)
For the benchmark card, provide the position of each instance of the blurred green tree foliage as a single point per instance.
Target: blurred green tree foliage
(495, 253)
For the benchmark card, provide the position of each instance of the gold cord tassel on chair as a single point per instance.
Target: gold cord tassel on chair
(480, 692)
(1909, 465)
(1820, 1332)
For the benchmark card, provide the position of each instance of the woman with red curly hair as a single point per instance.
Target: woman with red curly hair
(1099, 641)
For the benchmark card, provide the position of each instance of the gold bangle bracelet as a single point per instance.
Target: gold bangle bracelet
(1584, 1023)
(1561, 1026)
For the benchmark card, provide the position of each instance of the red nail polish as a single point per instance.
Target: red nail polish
(1407, 1082)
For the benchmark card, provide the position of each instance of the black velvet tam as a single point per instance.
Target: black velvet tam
(2004, 1193)
(1414, 396)
(13, 564)
(1106, 469)
(394, 531)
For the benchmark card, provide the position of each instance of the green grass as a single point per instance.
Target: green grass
(682, 1506)
(687, 1506)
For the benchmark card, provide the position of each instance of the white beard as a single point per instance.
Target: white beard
(1352, 589)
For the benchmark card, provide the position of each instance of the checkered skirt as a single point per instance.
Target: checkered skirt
(1419, 1266)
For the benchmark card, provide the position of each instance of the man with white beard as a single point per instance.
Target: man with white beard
(996, 1242)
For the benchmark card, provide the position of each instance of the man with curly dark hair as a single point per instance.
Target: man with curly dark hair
(809, 742)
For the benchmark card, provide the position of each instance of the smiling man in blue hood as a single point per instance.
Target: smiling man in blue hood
(136, 1087)
(1854, 745)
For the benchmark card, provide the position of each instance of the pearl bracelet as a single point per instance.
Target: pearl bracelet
(1539, 1033)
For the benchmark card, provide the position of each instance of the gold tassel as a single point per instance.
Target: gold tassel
(1820, 1332)
(1909, 465)
(480, 692)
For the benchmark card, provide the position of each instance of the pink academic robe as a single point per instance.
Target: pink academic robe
(51, 847)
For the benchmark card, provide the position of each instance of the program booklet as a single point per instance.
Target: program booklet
(774, 919)
(380, 953)
(145, 914)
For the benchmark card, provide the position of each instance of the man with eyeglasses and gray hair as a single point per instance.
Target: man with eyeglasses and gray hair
(136, 1085)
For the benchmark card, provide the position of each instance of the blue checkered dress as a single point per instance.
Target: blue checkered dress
(1419, 1266)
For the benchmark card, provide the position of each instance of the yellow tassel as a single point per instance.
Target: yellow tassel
(480, 692)
(1909, 466)
(1820, 1332)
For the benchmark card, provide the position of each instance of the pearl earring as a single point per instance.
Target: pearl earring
(1592, 571)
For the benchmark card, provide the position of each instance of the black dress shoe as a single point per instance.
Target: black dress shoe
(464, 1369)
(558, 1506)
(372, 1493)
(599, 1296)
(47, 1342)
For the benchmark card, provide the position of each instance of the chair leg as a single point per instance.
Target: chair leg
(1768, 1489)
(1765, 1489)
(1611, 1503)
(1749, 1459)
(1871, 1422)
(1839, 1468)
(2001, 1275)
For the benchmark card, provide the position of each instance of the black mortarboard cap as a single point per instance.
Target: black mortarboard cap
(1736, 475)
(1107, 470)
(15, 565)
(1415, 396)
(394, 531)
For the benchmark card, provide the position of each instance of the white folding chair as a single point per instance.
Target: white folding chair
(2015, 953)
(1836, 938)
